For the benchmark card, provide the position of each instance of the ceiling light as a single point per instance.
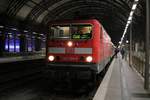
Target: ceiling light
(127, 41)
(134, 6)
(25, 31)
(127, 25)
(14, 29)
(34, 33)
(136, 0)
(130, 18)
(1, 26)
(131, 13)
(128, 22)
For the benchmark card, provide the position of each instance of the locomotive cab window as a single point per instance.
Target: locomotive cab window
(81, 32)
(77, 31)
(59, 32)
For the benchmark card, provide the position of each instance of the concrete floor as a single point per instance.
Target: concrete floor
(122, 83)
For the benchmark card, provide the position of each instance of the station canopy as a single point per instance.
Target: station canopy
(113, 14)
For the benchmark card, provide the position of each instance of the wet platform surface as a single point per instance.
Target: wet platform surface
(122, 83)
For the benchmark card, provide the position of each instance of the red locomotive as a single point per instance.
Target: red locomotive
(81, 45)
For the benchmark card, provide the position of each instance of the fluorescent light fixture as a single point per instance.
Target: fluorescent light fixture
(14, 29)
(130, 18)
(25, 31)
(125, 30)
(124, 33)
(122, 37)
(34, 33)
(17, 47)
(121, 40)
(33, 37)
(131, 13)
(9, 33)
(134, 6)
(128, 22)
(1, 26)
(127, 25)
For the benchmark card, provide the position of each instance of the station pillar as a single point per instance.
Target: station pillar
(22, 43)
(146, 75)
(2, 44)
(37, 44)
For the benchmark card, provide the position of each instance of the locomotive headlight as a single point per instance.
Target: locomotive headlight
(89, 59)
(51, 58)
(70, 43)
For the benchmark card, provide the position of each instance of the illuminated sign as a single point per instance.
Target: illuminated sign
(81, 36)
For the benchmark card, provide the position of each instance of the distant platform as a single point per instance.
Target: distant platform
(121, 82)
(21, 58)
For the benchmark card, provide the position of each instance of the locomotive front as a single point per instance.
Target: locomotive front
(70, 47)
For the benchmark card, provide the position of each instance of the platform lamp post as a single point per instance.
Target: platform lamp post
(127, 48)
(146, 76)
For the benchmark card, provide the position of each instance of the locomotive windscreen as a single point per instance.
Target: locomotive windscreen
(77, 31)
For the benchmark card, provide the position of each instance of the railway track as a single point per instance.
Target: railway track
(41, 89)
(37, 87)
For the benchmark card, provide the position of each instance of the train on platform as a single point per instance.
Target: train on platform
(78, 45)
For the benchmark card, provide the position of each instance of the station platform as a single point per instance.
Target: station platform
(21, 58)
(121, 82)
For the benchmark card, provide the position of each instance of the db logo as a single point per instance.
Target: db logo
(69, 50)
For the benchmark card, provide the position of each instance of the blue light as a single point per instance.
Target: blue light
(11, 45)
(17, 45)
(6, 44)
(29, 45)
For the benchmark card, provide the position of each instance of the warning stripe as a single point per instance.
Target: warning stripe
(76, 50)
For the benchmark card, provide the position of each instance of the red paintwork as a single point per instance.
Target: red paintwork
(101, 48)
